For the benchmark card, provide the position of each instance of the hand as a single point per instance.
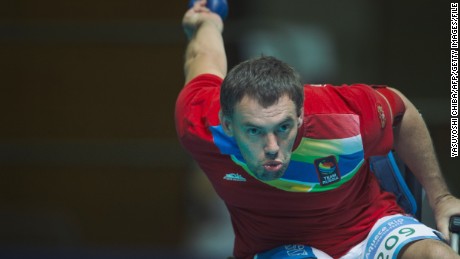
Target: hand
(197, 15)
(445, 208)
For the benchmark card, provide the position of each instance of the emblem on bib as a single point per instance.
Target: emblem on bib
(327, 170)
(382, 117)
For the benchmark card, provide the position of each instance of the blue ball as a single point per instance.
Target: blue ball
(219, 7)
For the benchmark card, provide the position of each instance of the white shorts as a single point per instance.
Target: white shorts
(385, 240)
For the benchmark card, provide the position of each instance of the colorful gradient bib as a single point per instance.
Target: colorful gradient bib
(329, 154)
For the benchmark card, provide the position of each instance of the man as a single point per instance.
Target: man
(294, 173)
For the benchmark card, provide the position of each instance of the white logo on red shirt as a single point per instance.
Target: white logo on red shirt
(234, 177)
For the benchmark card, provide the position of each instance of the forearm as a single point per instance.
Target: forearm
(413, 144)
(205, 51)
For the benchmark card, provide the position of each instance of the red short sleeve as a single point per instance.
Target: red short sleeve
(380, 109)
(395, 103)
(197, 105)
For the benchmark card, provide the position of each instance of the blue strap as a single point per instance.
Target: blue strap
(288, 252)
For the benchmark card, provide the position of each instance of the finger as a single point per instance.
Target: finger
(442, 227)
(199, 4)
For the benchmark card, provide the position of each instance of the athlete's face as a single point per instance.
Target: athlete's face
(265, 136)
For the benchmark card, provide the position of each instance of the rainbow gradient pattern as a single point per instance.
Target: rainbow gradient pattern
(325, 136)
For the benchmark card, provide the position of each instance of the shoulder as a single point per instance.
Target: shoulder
(342, 89)
(197, 105)
(351, 94)
(203, 86)
(204, 80)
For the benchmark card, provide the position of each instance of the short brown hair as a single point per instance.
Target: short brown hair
(265, 79)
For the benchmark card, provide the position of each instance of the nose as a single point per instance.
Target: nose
(271, 145)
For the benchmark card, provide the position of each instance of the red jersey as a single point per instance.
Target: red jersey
(327, 198)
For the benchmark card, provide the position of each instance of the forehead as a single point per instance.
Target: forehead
(250, 111)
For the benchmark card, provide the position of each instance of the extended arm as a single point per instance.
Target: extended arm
(205, 51)
(413, 144)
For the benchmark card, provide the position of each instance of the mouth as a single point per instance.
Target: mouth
(273, 166)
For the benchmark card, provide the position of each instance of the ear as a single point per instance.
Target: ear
(226, 124)
(300, 119)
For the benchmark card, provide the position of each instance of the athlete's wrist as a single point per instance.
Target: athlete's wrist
(442, 198)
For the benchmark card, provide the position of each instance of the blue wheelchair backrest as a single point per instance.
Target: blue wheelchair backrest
(390, 176)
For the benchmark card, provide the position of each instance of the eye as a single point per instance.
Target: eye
(253, 131)
(284, 128)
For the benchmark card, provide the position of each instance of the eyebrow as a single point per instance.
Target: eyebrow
(249, 124)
